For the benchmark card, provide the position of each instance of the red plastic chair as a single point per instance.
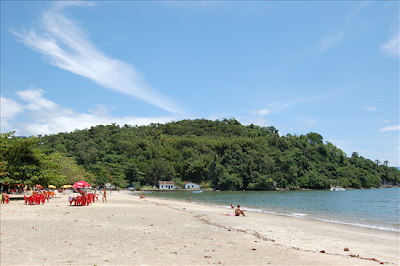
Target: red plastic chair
(78, 201)
(6, 200)
(26, 200)
(88, 200)
(37, 199)
(32, 200)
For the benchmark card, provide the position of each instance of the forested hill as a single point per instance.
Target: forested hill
(219, 154)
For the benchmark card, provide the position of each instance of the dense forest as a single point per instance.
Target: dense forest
(217, 154)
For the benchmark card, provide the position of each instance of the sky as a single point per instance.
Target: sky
(330, 67)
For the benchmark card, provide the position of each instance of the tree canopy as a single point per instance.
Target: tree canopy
(220, 154)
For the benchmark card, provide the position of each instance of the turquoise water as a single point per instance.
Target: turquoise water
(370, 208)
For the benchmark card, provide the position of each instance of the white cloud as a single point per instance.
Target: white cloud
(391, 47)
(9, 109)
(259, 121)
(262, 112)
(37, 102)
(66, 46)
(390, 128)
(370, 108)
(49, 118)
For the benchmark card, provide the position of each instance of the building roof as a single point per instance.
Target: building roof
(165, 182)
(190, 183)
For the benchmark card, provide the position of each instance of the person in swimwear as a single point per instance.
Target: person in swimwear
(104, 195)
(141, 196)
(238, 211)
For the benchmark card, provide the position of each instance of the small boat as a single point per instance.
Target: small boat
(337, 188)
(197, 191)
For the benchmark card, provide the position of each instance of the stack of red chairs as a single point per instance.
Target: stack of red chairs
(6, 200)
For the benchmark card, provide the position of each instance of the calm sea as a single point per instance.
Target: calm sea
(370, 208)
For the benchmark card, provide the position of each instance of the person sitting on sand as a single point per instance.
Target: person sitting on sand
(141, 196)
(232, 206)
(239, 212)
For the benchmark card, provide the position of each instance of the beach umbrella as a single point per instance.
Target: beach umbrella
(66, 186)
(51, 186)
(81, 184)
(39, 186)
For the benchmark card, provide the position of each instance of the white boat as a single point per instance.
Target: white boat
(337, 188)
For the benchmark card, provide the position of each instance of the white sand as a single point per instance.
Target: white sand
(129, 231)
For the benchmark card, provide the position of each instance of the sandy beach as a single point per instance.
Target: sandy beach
(131, 231)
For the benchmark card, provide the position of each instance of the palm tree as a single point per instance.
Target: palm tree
(377, 161)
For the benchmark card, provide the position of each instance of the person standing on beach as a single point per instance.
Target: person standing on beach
(104, 195)
(239, 212)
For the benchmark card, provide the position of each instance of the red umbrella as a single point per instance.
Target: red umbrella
(81, 184)
(39, 186)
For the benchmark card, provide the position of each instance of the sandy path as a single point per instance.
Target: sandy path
(130, 231)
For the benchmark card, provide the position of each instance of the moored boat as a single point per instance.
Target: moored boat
(337, 188)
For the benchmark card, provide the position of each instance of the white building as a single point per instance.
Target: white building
(189, 185)
(166, 185)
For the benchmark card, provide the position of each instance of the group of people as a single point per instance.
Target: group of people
(238, 211)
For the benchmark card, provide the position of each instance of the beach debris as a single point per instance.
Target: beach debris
(253, 249)
(346, 249)
(208, 257)
(322, 251)
(151, 225)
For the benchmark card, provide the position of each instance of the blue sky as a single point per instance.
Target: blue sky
(330, 67)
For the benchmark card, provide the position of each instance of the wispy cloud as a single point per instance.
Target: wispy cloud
(390, 128)
(66, 46)
(330, 41)
(336, 37)
(370, 108)
(310, 122)
(48, 117)
(262, 112)
(282, 105)
(391, 47)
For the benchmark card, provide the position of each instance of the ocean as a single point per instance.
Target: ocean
(377, 209)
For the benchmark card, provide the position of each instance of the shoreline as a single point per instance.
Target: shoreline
(128, 230)
(307, 225)
(302, 216)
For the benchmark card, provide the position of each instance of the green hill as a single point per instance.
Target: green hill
(219, 154)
